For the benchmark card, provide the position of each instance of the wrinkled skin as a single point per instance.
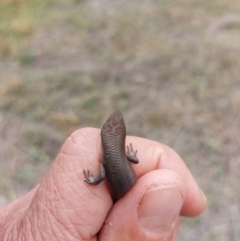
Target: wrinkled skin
(64, 207)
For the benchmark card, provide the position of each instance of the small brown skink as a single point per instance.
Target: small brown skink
(115, 165)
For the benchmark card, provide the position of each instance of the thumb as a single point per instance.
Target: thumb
(150, 211)
(61, 207)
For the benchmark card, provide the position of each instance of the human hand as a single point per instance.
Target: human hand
(64, 207)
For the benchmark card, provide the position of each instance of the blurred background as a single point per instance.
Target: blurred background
(171, 67)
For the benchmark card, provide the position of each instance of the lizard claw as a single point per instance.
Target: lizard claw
(131, 154)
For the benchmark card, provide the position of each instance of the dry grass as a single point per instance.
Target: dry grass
(166, 65)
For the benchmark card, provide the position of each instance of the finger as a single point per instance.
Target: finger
(64, 206)
(153, 155)
(149, 211)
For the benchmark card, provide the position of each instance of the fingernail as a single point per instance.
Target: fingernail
(160, 208)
